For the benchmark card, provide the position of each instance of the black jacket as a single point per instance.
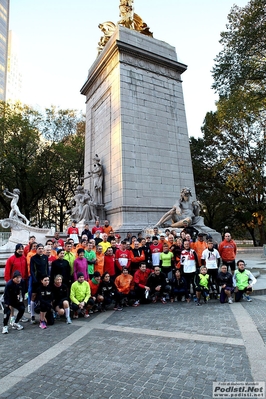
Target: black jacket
(14, 293)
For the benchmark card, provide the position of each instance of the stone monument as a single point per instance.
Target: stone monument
(136, 123)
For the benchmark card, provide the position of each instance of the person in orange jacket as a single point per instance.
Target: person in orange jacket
(125, 286)
(99, 264)
(199, 246)
(227, 250)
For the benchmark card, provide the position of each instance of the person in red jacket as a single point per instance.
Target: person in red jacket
(16, 262)
(122, 257)
(109, 263)
(73, 232)
(137, 255)
(140, 280)
(227, 250)
(156, 250)
(60, 241)
(97, 227)
(94, 284)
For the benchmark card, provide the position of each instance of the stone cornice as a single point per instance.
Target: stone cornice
(143, 209)
(150, 57)
(131, 55)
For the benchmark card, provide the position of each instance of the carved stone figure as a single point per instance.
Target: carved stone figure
(97, 175)
(15, 212)
(76, 204)
(82, 205)
(183, 211)
(89, 207)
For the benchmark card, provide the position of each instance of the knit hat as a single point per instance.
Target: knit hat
(80, 274)
(16, 274)
(18, 246)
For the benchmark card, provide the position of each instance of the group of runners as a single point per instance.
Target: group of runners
(96, 270)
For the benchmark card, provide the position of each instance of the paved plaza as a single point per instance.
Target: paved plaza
(170, 351)
(154, 351)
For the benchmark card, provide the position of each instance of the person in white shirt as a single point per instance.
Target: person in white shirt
(211, 259)
(189, 264)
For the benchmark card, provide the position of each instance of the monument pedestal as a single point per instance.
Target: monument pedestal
(136, 123)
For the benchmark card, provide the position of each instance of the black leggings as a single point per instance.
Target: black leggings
(7, 311)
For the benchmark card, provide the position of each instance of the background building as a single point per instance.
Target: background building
(4, 27)
(14, 77)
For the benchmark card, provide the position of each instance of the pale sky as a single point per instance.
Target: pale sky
(58, 44)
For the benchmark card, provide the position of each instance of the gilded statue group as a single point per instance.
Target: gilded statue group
(128, 18)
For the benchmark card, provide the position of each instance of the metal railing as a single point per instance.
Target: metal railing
(4, 236)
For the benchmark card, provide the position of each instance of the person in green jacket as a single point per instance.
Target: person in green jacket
(202, 281)
(243, 281)
(80, 295)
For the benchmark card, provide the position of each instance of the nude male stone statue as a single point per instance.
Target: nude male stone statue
(15, 212)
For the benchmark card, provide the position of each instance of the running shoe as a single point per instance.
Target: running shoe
(17, 326)
(247, 298)
(43, 325)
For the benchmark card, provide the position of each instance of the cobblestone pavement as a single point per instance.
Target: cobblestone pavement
(154, 351)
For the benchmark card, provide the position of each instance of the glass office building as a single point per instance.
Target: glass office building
(4, 27)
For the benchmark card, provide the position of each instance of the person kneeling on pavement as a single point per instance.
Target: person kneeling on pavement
(60, 298)
(94, 286)
(125, 287)
(179, 290)
(80, 296)
(225, 281)
(202, 282)
(108, 291)
(243, 281)
(13, 297)
(159, 289)
(141, 288)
